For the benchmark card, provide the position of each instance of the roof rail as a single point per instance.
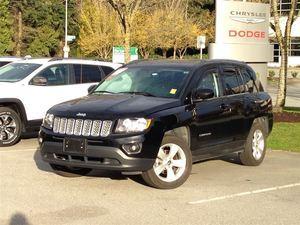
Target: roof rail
(74, 58)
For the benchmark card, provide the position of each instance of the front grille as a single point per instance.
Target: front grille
(80, 127)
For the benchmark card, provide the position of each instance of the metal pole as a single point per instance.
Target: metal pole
(200, 53)
(66, 23)
(66, 47)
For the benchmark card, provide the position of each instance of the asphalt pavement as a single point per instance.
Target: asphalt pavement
(293, 92)
(218, 192)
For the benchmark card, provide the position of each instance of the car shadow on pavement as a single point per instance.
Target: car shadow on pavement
(231, 158)
(114, 175)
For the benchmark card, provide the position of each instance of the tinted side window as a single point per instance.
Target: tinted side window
(87, 73)
(232, 82)
(107, 70)
(3, 63)
(56, 75)
(248, 81)
(210, 80)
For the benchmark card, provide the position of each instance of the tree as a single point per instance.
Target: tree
(17, 7)
(283, 42)
(99, 29)
(203, 12)
(176, 29)
(186, 36)
(5, 28)
(144, 32)
(126, 11)
(44, 26)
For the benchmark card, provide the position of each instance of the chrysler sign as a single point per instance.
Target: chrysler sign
(242, 34)
(248, 17)
(242, 22)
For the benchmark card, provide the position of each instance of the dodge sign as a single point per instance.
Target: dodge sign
(241, 22)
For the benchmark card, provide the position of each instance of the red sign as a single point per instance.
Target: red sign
(247, 34)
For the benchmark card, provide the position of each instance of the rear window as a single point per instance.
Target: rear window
(232, 84)
(87, 73)
(107, 70)
(249, 83)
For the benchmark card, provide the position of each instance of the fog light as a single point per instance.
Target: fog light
(133, 148)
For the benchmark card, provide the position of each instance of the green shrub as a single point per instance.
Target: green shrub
(294, 74)
(271, 74)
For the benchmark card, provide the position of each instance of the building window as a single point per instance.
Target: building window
(276, 52)
(284, 7)
(293, 50)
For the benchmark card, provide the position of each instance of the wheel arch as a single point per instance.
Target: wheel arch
(264, 120)
(182, 132)
(17, 106)
(174, 125)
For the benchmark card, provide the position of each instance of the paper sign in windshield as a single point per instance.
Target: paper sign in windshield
(173, 91)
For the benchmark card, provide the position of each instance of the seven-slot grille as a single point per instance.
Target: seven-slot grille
(80, 127)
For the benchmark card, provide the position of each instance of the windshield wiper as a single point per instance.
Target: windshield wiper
(109, 92)
(138, 93)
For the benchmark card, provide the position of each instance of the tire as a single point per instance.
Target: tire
(70, 171)
(255, 148)
(10, 127)
(165, 174)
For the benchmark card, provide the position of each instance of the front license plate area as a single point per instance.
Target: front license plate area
(75, 145)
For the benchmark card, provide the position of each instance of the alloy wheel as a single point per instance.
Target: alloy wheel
(170, 163)
(258, 144)
(8, 127)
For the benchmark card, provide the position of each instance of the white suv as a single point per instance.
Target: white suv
(28, 88)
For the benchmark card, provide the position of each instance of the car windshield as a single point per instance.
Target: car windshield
(149, 81)
(14, 72)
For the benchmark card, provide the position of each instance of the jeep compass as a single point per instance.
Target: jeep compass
(157, 118)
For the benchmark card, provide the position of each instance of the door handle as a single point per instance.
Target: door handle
(225, 108)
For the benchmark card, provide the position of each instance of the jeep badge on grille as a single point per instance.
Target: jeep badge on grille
(81, 114)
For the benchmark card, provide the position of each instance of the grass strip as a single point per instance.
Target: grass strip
(285, 136)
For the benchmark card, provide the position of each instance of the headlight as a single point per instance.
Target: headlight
(132, 125)
(48, 121)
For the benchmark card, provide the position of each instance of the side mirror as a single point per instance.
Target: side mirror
(92, 88)
(201, 94)
(39, 81)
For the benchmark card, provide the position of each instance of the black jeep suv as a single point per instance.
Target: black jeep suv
(158, 117)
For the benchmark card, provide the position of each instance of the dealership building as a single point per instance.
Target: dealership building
(284, 7)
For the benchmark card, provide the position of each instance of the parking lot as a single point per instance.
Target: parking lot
(217, 192)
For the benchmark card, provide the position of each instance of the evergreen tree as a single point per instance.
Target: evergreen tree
(38, 27)
(45, 22)
(5, 28)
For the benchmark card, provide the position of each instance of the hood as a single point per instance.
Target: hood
(113, 106)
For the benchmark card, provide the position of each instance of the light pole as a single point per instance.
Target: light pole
(66, 47)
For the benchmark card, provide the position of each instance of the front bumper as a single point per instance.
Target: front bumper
(98, 155)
